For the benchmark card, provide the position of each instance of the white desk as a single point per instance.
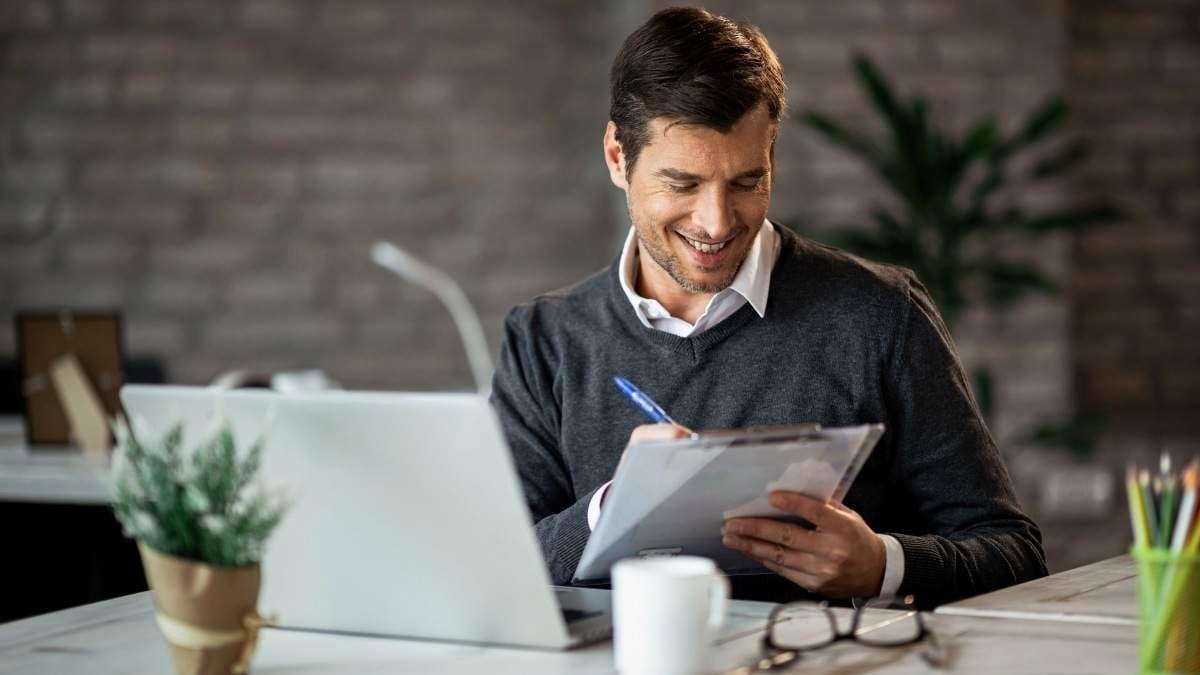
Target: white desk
(1103, 592)
(973, 645)
(119, 636)
(48, 475)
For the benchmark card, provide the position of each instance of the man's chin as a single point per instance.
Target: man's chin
(698, 279)
(693, 283)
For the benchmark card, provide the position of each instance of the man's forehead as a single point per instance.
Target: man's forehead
(757, 119)
(682, 144)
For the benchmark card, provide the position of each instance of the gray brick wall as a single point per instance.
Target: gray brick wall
(218, 170)
(1135, 81)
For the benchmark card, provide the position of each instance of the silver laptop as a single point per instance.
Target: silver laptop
(407, 515)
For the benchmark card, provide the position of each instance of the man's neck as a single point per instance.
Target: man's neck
(653, 282)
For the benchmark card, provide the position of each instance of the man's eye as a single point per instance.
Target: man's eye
(747, 186)
(681, 187)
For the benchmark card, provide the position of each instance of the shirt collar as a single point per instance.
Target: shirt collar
(752, 281)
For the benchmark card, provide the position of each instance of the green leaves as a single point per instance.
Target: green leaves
(959, 196)
(1072, 219)
(1061, 161)
(880, 93)
(199, 506)
(960, 207)
(1008, 281)
(1044, 120)
(858, 144)
(1078, 434)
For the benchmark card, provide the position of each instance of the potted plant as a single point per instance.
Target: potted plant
(958, 198)
(958, 204)
(201, 524)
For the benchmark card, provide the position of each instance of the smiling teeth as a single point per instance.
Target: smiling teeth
(706, 248)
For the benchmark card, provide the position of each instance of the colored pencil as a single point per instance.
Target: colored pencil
(1166, 515)
(1187, 508)
(1172, 590)
(1137, 509)
(1151, 509)
(1189, 660)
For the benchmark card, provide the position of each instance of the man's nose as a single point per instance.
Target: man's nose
(713, 213)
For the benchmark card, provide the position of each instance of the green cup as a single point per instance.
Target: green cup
(1168, 592)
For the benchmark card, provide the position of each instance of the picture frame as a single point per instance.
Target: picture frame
(43, 337)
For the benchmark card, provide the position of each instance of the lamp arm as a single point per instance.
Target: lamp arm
(466, 319)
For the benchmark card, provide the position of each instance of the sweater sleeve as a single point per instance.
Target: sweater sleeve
(971, 536)
(523, 397)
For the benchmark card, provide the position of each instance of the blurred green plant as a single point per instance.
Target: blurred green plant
(958, 196)
(1078, 435)
(197, 505)
(957, 208)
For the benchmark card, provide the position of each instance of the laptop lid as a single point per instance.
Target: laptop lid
(407, 516)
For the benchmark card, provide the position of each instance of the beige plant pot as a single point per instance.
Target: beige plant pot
(206, 614)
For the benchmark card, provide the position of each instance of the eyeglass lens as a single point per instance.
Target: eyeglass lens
(808, 626)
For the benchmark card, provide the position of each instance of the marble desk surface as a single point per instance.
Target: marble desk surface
(120, 637)
(1103, 592)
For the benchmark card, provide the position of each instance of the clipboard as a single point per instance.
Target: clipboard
(670, 497)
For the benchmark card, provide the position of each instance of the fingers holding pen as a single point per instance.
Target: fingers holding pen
(659, 432)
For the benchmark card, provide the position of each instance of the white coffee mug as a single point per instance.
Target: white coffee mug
(666, 614)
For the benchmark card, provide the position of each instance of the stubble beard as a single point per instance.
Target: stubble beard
(670, 263)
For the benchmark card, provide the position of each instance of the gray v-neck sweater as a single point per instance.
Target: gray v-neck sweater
(844, 341)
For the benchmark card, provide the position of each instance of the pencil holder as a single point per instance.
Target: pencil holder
(1168, 592)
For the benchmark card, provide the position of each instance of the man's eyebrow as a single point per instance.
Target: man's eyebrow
(757, 172)
(677, 174)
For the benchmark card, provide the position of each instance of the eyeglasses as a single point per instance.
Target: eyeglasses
(799, 627)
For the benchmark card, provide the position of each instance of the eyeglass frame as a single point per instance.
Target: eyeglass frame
(769, 645)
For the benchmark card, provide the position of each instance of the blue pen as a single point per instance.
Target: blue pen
(643, 402)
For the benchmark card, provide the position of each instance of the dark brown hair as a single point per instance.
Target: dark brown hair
(694, 67)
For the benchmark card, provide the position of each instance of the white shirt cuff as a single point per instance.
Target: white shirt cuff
(893, 566)
(594, 507)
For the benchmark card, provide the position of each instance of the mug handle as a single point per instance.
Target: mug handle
(718, 601)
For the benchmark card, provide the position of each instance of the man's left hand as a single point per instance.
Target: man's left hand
(842, 558)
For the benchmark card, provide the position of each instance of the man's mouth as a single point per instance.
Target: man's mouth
(704, 247)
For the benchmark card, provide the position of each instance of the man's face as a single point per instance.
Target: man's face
(696, 197)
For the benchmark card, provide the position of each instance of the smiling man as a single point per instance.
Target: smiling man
(698, 211)
(730, 321)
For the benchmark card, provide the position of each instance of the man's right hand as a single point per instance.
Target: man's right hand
(659, 432)
(652, 432)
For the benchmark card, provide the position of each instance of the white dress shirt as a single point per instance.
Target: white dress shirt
(751, 284)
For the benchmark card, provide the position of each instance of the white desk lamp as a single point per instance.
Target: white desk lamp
(404, 265)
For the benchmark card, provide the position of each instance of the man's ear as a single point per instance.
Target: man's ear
(614, 157)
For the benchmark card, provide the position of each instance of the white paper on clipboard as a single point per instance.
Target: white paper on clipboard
(671, 497)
